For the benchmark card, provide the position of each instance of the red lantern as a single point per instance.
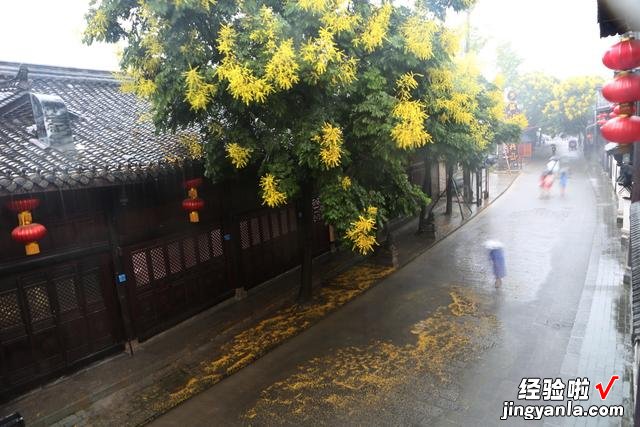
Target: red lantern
(23, 205)
(28, 235)
(27, 232)
(624, 88)
(193, 204)
(624, 55)
(623, 130)
(193, 183)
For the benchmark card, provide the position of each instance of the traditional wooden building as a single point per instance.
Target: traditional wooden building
(115, 256)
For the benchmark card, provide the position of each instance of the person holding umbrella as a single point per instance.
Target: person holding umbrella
(496, 255)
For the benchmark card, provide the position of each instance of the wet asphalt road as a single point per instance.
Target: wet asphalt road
(548, 245)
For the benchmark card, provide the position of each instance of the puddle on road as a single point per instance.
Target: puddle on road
(355, 380)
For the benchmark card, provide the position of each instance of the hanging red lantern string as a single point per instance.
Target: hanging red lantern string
(27, 232)
(622, 129)
(624, 55)
(193, 204)
(624, 89)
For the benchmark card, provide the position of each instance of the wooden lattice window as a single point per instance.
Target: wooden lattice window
(204, 253)
(255, 231)
(157, 263)
(275, 229)
(140, 268)
(189, 247)
(9, 310)
(175, 258)
(66, 292)
(244, 235)
(216, 242)
(38, 300)
(92, 288)
(266, 235)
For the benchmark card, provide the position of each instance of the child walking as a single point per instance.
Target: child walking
(564, 179)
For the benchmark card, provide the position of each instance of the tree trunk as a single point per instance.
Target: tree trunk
(468, 192)
(449, 208)
(479, 187)
(426, 188)
(306, 242)
(540, 138)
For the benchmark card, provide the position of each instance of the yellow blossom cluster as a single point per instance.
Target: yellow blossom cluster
(226, 40)
(282, 68)
(418, 36)
(457, 108)
(347, 69)
(243, 84)
(441, 79)
(198, 91)
(330, 140)
(315, 6)
(192, 143)
(479, 134)
(497, 109)
(238, 155)
(271, 196)
(338, 21)
(97, 25)
(204, 4)
(405, 84)
(519, 119)
(133, 81)
(409, 132)
(362, 232)
(320, 51)
(449, 41)
(345, 182)
(280, 71)
(375, 29)
(145, 87)
(267, 27)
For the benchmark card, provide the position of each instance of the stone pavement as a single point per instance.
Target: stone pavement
(600, 344)
(100, 391)
(436, 344)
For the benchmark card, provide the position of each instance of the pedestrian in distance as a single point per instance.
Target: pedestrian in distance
(546, 182)
(564, 179)
(496, 255)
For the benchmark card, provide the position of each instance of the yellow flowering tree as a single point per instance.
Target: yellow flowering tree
(571, 108)
(306, 98)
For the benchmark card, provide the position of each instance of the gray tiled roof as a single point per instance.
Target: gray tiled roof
(112, 144)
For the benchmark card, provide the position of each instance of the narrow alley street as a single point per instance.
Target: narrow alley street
(437, 344)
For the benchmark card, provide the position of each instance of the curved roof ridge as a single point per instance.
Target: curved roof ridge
(55, 72)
